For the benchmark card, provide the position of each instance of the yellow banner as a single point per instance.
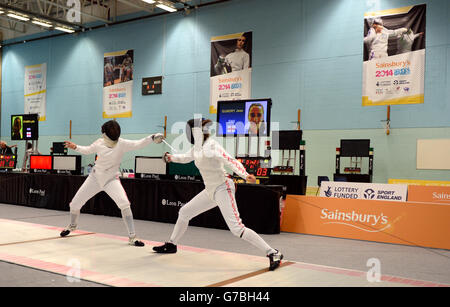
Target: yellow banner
(404, 100)
(37, 93)
(419, 182)
(121, 115)
(401, 10)
(116, 53)
(227, 37)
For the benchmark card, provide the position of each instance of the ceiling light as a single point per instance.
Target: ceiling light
(166, 6)
(68, 30)
(20, 17)
(149, 1)
(42, 23)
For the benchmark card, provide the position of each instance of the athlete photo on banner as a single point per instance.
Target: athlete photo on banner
(394, 56)
(117, 83)
(231, 68)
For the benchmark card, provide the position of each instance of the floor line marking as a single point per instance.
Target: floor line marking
(46, 239)
(245, 276)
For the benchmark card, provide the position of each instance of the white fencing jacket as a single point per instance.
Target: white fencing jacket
(405, 41)
(108, 159)
(210, 159)
(238, 60)
(378, 42)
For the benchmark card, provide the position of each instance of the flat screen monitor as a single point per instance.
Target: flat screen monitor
(188, 169)
(40, 162)
(150, 165)
(67, 163)
(355, 148)
(286, 139)
(59, 148)
(244, 117)
(24, 127)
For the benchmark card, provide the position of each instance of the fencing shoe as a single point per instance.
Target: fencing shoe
(135, 242)
(275, 260)
(167, 248)
(67, 230)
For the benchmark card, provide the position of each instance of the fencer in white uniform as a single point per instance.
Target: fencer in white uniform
(238, 60)
(210, 158)
(406, 41)
(105, 174)
(378, 37)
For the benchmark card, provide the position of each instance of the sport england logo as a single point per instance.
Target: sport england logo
(369, 194)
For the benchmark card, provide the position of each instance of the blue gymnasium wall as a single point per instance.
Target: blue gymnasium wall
(306, 55)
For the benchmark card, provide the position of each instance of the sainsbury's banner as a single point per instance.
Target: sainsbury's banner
(417, 224)
(394, 56)
(35, 90)
(118, 84)
(369, 191)
(433, 194)
(419, 182)
(231, 68)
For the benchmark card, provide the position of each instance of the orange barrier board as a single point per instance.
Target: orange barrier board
(417, 224)
(434, 194)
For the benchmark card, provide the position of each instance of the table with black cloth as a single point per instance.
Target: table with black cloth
(152, 200)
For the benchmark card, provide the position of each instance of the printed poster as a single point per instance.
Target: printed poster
(231, 68)
(394, 56)
(369, 191)
(35, 90)
(118, 84)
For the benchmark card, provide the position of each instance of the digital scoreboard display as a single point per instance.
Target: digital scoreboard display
(259, 167)
(152, 85)
(7, 161)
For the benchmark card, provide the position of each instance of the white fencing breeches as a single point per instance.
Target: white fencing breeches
(91, 187)
(114, 189)
(225, 199)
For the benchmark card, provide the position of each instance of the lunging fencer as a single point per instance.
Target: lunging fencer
(210, 158)
(104, 176)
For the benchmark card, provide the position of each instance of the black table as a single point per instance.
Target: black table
(352, 177)
(152, 200)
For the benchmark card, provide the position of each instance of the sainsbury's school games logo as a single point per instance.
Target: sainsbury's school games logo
(362, 221)
(441, 196)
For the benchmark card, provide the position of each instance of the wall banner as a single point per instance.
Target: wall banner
(368, 191)
(118, 84)
(394, 56)
(231, 72)
(35, 90)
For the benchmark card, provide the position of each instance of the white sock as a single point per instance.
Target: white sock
(127, 217)
(254, 239)
(178, 230)
(74, 215)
